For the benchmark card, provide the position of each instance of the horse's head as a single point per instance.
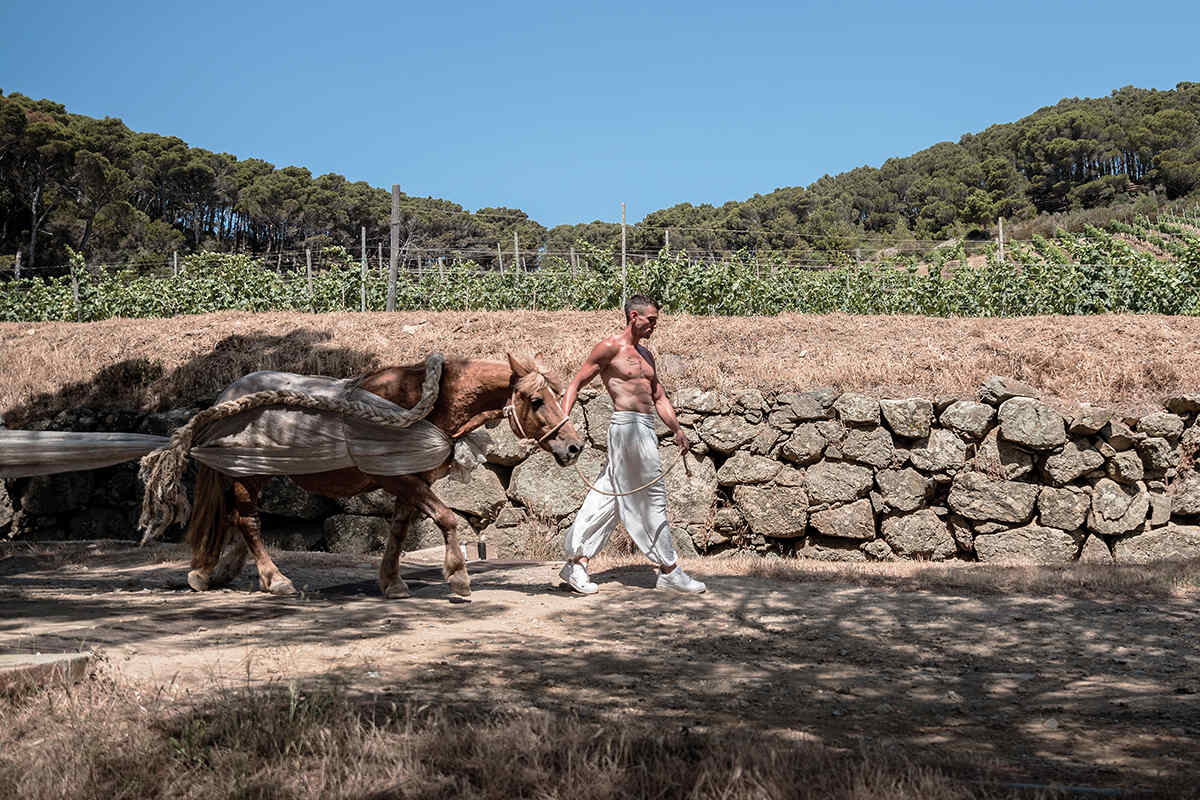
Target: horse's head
(535, 411)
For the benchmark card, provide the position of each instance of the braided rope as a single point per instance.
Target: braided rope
(165, 501)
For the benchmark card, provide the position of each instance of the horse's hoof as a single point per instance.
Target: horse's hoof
(460, 584)
(198, 581)
(397, 591)
(281, 587)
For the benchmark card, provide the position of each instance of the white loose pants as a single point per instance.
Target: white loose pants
(632, 461)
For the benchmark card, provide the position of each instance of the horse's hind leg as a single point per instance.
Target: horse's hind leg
(245, 516)
(233, 560)
(390, 582)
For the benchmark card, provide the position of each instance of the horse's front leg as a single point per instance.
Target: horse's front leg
(417, 492)
(390, 582)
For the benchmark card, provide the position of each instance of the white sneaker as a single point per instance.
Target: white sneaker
(680, 581)
(575, 575)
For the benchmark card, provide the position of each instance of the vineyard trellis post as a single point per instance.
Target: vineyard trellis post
(499, 258)
(624, 289)
(362, 278)
(75, 292)
(516, 252)
(1001, 240)
(380, 259)
(175, 259)
(312, 300)
(17, 267)
(395, 251)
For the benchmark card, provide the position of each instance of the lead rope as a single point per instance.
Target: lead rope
(595, 488)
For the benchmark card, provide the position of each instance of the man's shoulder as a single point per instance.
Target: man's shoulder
(608, 346)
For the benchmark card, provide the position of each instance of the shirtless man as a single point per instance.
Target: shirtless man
(628, 372)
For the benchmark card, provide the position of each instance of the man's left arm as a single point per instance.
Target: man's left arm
(666, 411)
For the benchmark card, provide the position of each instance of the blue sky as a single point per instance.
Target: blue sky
(566, 110)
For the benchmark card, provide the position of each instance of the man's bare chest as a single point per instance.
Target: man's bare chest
(630, 365)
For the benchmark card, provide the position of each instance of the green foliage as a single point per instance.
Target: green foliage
(1089, 273)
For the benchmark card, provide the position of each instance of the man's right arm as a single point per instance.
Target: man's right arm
(601, 354)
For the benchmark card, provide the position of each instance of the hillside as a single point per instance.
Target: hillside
(115, 194)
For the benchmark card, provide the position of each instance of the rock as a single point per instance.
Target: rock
(547, 490)
(507, 450)
(902, 489)
(852, 521)
(831, 430)
(510, 517)
(780, 512)
(804, 446)
(1076, 459)
(968, 419)
(1031, 544)
(878, 550)
(1065, 509)
(482, 495)
(726, 434)
(911, 418)
(819, 548)
(597, 414)
(960, 531)
(751, 400)
(1162, 424)
(1089, 420)
(1125, 467)
(6, 507)
(765, 441)
(811, 405)
(872, 447)
(701, 402)
(1183, 404)
(1174, 542)
(1095, 551)
(745, 468)
(423, 532)
(790, 476)
(54, 494)
(1157, 453)
(1119, 435)
(729, 521)
(1117, 509)
(167, 422)
(1185, 495)
(921, 535)
(941, 451)
(376, 503)
(977, 496)
(857, 409)
(1001, 459)
(294, 534)
(284, 498)
(690, 495)
(782, 420)
(1160, 509)
(996, 390)
(836, 482)
(1031, 424)
(943, 401)
(350, 533)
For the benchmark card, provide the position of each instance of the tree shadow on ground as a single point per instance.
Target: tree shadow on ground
(144, 385)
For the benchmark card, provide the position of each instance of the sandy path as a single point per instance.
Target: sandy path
(1095, 692)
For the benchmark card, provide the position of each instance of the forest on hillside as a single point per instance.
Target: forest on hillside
(94, 186)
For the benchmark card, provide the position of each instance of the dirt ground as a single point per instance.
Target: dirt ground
(1098, 693)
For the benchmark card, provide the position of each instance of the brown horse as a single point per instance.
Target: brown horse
(471, 394)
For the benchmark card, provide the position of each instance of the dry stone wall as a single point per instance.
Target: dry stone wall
(1003, 476)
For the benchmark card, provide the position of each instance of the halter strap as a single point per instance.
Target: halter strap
(510, 411)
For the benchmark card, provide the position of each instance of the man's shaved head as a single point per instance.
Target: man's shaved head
(641, 302)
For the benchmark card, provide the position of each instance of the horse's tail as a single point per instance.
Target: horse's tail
(207, 528)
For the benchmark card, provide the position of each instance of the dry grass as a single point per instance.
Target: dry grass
(1159, 580)
(108, 738)
(1126, 362)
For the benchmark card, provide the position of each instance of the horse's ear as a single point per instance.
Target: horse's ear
(539, 364)
(520, 366)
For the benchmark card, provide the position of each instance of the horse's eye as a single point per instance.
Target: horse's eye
(536, 403)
